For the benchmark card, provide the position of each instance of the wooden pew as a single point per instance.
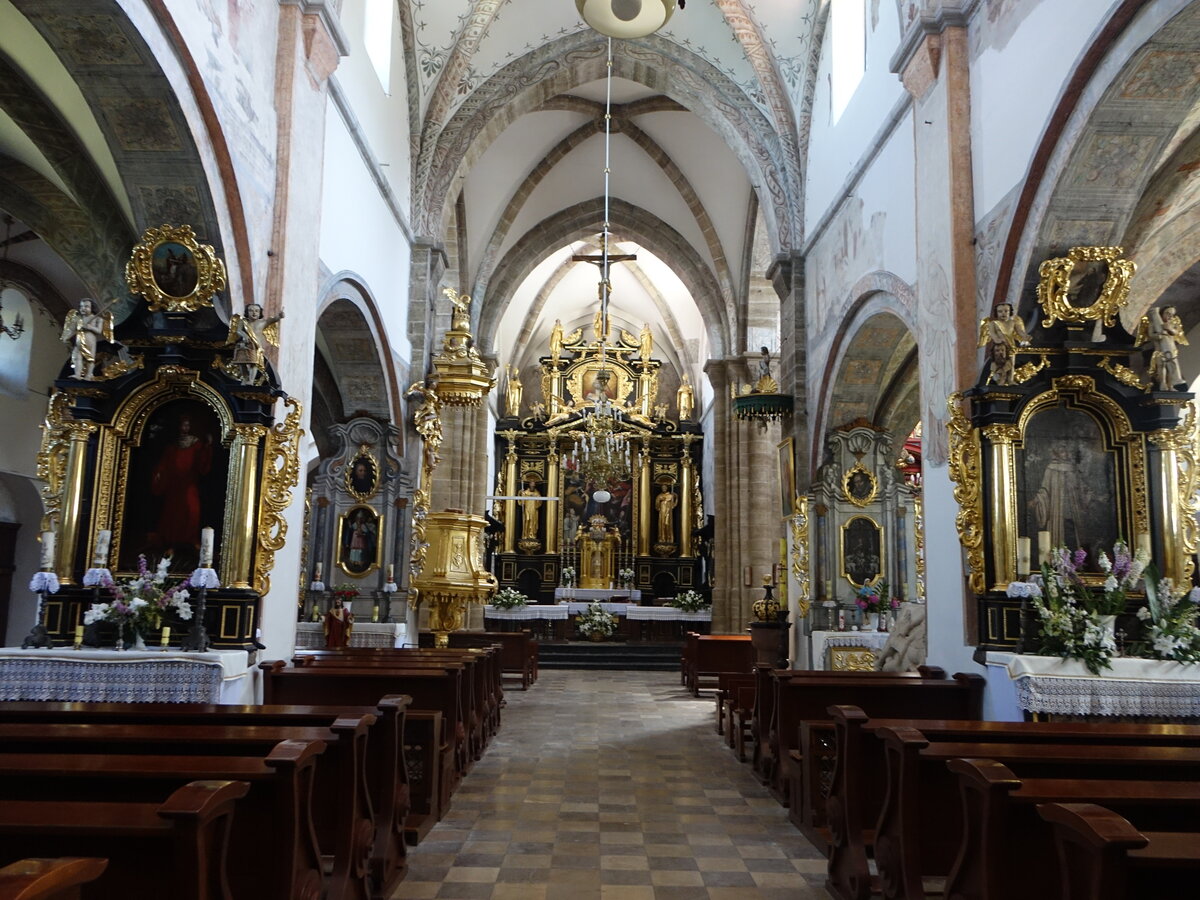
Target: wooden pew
(727, 685)
(341, 816)
(386, 772)
(432, 690)
(713, 653)
(517, 650)
(49, 879)
(176, 846)
(1104, 857)
(922, 790)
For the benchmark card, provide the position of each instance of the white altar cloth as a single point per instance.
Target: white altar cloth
(587, 595)
(667, 614)
(311, 635)
(141, 676)
(823, 640)
(560, 611)
(1132, 687)
(527, 613)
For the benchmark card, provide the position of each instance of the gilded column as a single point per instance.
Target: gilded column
(79, 436)
(553, 507)
(510, 490)
(1003, 502)
(644, 504)
(687, 481)
(240, 527)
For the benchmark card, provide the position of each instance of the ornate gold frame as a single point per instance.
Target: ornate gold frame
(578, 369)
(363, 455)
(842, 550)
(342, 518)
(846, 478)
(1055, 282)
(139, 271)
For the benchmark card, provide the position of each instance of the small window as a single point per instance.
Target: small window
(848, 44)
(378, 19)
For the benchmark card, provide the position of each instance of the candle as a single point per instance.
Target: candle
(841, 620)
(375, 613)
(103, 541)
(78, 636)
(206, 548)
(1023, 556)
(166, 636)
(1044, 546)
(829, 589)
(317, 572)
(391, 576)
(1143, 543)
(47, 550)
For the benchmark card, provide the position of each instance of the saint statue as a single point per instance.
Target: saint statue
(556, 340)
(339, 622)
(247, 333)
(665, 503)
(1164, 332)
(84, 329)
(427, 419)
(1001, 335)
(570, 526)
(645, 343)
(600, 326)
(686, 399)
(529, 512)
(512, 396)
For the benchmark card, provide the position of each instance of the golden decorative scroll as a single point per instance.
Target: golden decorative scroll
(1027, 370)
(281, 473)
(148, 276)
(966, 471)
(1122, 373)
(52, 457)
(800, 557)
(1055, 284)
(427, 419)
(1180, 482)
(919, 545)
(851, 659)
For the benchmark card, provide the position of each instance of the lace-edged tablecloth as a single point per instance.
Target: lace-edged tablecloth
(139, 676)
(1132, 687)
(561, 611)
(311, 635)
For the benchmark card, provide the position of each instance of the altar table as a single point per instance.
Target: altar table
(140, 676)
(630, 619)
(587, 595)
(850, 651)
(311, 635)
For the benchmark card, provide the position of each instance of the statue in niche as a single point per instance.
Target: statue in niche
(1001, 335)
(84, 329)
(685, 397)
(665, 503)
(1163, 331)
(529, 512)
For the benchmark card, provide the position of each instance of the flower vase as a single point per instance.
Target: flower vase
(120, 635)
(139, 642)
(872, 621)
(596, 636)
(1109, 626)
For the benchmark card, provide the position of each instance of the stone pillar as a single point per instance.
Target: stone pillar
(308, 48)
(745, 504)
(933, 64)
(787, 277)
(425, 274)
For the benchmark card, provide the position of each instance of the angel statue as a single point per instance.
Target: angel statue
(83, 330)
(1001, 334)
(460, 319)
(1163, 330)
(247, 334)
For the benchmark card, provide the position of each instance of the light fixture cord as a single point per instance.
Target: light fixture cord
(604, 283)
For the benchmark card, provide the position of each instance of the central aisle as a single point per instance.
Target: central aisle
(614, 785)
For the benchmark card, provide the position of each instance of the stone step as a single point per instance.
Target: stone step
(610, 655)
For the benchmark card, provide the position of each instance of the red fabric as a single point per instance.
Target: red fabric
(177, 480)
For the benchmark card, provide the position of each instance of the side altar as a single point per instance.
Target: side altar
(600, 478)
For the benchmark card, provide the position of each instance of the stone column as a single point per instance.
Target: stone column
(787, 277)
(309, 45)
(933, 64)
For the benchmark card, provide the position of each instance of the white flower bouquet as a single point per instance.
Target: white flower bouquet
(509, 598)
(689, 601)
(596, 621)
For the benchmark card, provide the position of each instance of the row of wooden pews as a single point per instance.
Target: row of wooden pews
(997, 810)
(704, 656)
(49, 879)
(309, 796)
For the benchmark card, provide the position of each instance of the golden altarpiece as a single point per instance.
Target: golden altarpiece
(602, 477)
(162, 426)
(1078, 434)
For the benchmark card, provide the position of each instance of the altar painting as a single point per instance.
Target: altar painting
(579, 497)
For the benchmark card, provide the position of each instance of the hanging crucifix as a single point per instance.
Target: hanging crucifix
(600, 324)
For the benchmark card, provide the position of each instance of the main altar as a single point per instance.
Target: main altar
(598, 482)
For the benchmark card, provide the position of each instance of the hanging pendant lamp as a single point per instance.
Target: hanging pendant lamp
(626, 18)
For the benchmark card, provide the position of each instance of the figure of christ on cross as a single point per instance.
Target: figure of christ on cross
(600, 326)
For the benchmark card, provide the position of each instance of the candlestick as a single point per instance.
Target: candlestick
(103, 542)
(206, 548)
(47, 550)
(1023, 556)
(166, 636)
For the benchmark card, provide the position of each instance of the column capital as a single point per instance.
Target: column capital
(918, 57)
(786, 272)
(323, 11)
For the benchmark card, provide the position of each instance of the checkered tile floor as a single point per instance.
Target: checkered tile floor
(612, 785)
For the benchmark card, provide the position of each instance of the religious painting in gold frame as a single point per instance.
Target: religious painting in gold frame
(358, 541)
(581, 377)
(861, 550)
(787, 475)
(362, 475)
(859, 485)
(174, 271)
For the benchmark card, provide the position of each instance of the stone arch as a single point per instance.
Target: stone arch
(584, 220)
(872, 370)
(1134, 65)
(525, 84)
(354, 368)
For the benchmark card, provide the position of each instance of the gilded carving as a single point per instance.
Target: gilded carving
(52, 457)
(966, 471)
(281, 473)
(173, 271)
(1002, 434)
(1183, 441)
(919, 542)
(1025, 371)
(1055, 284)
(800, 558)
(1122, 373)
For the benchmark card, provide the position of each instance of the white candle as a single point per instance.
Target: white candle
(78, 636)
(1044, 546)
(47, 550)
(103, 542)
(317, 572)
(1143, 542)
(391, 572)
(166, 635)
(375, 614)
(1023, 556)
(206, 548)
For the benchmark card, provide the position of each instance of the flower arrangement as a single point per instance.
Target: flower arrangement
(140, 603)
(1169, 618)
(345, 592)
(872, 598)
(689, 601)
(509, 598)
(568, 576)
(596, 621)
(626, 577)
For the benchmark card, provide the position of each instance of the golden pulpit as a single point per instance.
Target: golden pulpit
(453, 574)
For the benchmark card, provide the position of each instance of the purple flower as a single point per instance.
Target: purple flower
(1079, 558)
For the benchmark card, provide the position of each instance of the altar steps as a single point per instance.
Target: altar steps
(610, 655)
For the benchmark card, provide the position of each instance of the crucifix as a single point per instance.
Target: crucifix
(602, 262)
